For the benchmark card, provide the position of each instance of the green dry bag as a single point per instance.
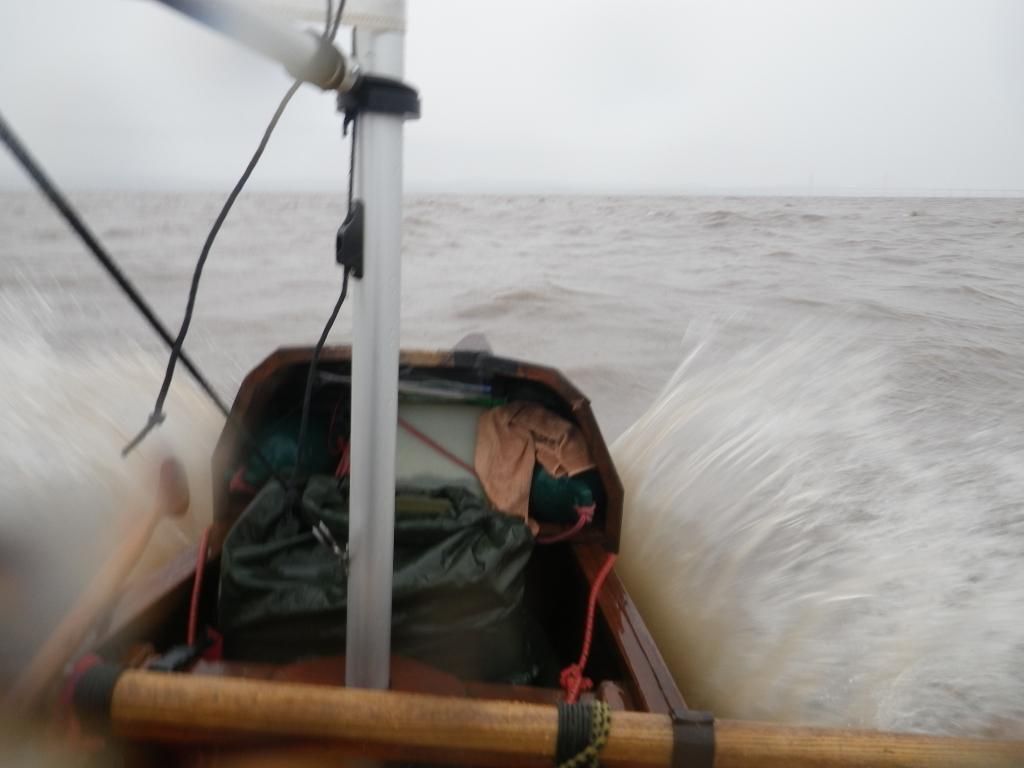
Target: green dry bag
(458, 589)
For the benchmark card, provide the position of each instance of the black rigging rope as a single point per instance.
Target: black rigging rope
(157, 416)
(75, 221)
(332, 31)
(320, 530)
(311, 378)
(315, 359)
(176, 344)
(78, 224)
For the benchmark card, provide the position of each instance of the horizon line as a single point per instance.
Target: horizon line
(417, 190)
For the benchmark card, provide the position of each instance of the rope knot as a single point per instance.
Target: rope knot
(586, 513)
(573, 681)
(584, 517)
(156, 418)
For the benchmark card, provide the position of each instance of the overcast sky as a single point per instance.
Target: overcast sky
(547, 95)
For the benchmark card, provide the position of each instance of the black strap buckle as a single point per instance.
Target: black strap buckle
(180, 657)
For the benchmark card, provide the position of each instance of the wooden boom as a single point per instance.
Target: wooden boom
(328, 722)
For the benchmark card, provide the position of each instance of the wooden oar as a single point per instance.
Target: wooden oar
(172, 501)
(325, 722)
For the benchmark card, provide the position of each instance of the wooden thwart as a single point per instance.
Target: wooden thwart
(187, 709)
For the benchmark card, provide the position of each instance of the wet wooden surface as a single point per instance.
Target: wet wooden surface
(212, 711)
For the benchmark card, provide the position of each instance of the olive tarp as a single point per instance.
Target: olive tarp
(459, 581)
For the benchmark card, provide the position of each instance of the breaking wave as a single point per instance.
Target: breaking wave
(799, 556)
(67, 493)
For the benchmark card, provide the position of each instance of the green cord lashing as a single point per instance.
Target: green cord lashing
(600, 727)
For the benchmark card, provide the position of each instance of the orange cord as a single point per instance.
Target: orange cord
(584, 516)
(572, 679)
(429, 441)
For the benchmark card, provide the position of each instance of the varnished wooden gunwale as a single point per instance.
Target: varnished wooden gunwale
(652, 685)
(259, 387)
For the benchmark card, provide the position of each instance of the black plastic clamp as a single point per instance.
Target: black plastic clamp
(348, 246)
(383, 95)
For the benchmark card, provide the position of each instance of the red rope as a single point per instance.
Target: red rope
(77, 736)
(572, 679)
(65, 703)
(239, 486)
(331, 444)
(345, 462)
(435, 445)
(197, 585)
(584, 516)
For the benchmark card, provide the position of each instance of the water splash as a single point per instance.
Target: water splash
(67, 493)
(800, 555)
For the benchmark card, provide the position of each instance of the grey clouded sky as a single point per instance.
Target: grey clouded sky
(547, 95)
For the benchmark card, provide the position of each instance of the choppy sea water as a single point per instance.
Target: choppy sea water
(819, 406)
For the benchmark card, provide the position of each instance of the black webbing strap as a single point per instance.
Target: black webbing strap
(573, 730)
(693, 739)
(583, 730)
(94, 693)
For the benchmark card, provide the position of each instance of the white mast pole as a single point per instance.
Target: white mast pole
(379, 46)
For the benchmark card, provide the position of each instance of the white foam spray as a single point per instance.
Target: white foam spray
(800, 556)
(67, 494)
